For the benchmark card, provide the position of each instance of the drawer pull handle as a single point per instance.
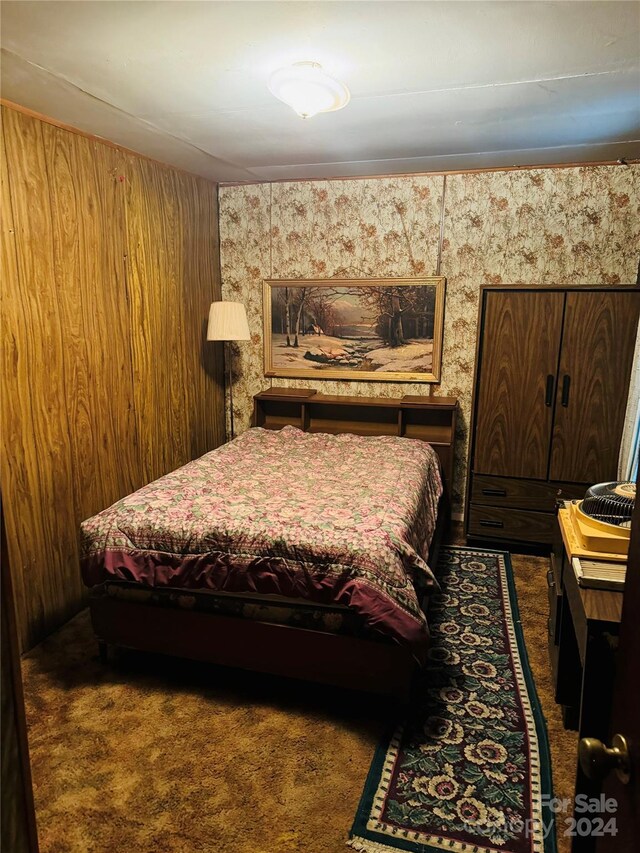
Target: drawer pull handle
(495, 493)
(486, 523)
(548, 399)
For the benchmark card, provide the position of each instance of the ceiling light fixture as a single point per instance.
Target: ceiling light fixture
(308, 90)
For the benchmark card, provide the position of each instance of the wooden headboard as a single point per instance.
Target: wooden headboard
(431, 419)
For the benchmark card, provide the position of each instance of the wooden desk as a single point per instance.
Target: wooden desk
(583, 637)
(585, 624)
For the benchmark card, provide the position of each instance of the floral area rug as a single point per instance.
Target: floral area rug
(468, 770)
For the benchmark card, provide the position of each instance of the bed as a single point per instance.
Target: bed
(302, 548)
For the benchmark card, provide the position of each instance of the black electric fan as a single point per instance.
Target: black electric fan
(611, 503)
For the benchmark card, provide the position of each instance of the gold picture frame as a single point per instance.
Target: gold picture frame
(377, 329)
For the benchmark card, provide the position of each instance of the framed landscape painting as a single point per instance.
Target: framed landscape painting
(378, 329)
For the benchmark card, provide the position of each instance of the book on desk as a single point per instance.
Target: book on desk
(599, 574)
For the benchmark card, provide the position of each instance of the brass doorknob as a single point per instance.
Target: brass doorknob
(597, 760)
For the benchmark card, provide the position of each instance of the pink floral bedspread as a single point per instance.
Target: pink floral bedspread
(333, 519)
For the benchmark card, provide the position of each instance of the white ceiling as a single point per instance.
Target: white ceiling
(434, 85)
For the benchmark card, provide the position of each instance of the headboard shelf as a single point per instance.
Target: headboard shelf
(433, 433)
(337, 427)
(431, 419)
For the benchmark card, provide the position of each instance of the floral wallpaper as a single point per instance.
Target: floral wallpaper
(540, 226)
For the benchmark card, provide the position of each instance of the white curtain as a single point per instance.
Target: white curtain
(630, 447)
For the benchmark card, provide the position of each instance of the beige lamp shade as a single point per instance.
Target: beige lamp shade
(227, 322)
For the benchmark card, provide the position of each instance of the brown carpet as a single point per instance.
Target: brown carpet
(162, 756)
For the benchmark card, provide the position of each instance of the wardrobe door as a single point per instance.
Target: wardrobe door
(519, 361)
(593, 383)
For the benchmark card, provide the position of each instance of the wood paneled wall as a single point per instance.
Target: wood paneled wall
(109, 264)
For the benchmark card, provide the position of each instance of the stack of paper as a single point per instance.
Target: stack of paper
(599, 574)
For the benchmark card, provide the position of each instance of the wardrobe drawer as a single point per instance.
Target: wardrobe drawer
(517, 524)
(523, 494)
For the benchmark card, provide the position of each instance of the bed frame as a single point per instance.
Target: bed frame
(285, 650)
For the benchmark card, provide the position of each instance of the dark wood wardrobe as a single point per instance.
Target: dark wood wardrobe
(550, 394)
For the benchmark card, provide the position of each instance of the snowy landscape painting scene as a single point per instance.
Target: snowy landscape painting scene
(382, 329)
